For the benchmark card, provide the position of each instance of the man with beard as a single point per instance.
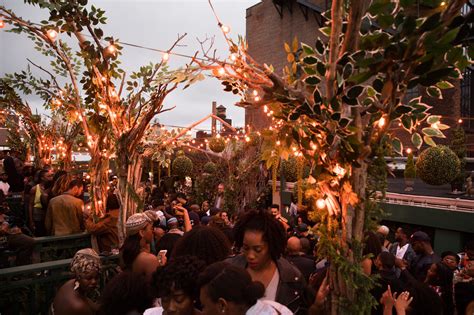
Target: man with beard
(402, 249)
(65, 212)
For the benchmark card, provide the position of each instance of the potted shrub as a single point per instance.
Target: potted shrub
(182, 166)
(409, 173)
(217, 144)
(438, 165)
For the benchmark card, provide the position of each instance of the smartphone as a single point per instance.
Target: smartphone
(163, 252)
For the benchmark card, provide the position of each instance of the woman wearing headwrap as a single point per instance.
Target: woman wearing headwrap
(79, 295)
(135, 250)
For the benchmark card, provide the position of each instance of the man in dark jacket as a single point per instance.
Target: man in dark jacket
(296, 257)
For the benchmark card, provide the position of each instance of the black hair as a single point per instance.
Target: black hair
(275, 206)
(58, 174)
(406, 230)
(234, 284)
(157, 202)
(387, 259)
(181, 195)
(75, 183)
(130, 250)
(206, 243)
(112, 202)
(178, 274)
(273, 231)
(41, 174)
(125, 293)
(450, 253)
(372, 244)
(425, 300)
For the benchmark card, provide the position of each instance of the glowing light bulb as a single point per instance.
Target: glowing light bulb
(265, 108)
(233, 57)
(102, 106)
(225, 29)
(409, 150)
(257, 98)
(460, 121)
(166, 57)
(52, 35)
(255, 92)
(321, 203)
(2, 23)
(443, 3)
(247, 139)
(381, 122)
(278, 142)
(221, 71)
(111, 49)
(314, 147)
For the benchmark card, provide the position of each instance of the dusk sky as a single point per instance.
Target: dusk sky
(154, 24)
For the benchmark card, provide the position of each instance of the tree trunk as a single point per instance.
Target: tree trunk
(99, 170)
(67, 159)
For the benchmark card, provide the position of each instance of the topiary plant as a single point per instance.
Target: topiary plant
(217, 145)
(209, 168)
(290, 169)
(437, 165)
(410, 170)
(182, 166)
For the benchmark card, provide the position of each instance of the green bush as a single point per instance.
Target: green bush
(410, 170)
(209, 168)
(290, 169)
(182, 166)
(437, 165)
(217, 145)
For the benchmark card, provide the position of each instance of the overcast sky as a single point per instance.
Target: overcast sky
(155, 24)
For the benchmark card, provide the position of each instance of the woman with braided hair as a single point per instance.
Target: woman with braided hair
(226, 289)
(79, 295)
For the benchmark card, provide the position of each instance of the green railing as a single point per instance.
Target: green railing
(50, 248)
(30, 289)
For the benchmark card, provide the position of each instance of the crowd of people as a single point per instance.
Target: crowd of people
(180, 257)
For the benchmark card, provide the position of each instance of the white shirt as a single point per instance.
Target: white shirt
(265, 307)
(5, 187)
(271, 290)
(402, 250)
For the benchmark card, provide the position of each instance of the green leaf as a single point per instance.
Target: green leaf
(431, 22)
(287, 48)
(429, 141)
(312, 80)
(347, 71)
(321, 68)
(317, 96)
(371, 91)
(416, 140)
(325, 30)
(397, 146)
(432, 132)
(307, 49)
(402, 109)
(319, 46)
(360, 77)
(444, 85)
(355, 91)
(449, 37)
(434, 92)
(433, 119)
(310, 60)
(407, 123)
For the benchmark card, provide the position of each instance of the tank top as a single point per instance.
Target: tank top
(37, 201)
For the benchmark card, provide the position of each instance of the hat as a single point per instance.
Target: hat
(303, 227)
(172, 220)
(136, 222)
(420, 237)
(152, 215)
(85, 261)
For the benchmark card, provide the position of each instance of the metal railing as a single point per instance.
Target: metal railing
(452, 204)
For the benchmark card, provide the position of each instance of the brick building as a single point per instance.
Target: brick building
(271, 23)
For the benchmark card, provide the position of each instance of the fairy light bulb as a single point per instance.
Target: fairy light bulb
(102, 106)
(381, 122)
(221, 71)
(111, 49)
(460, 121)
(321, 203)
(443, 3)
(257, 98)
(52, 35)
(165, 57)
(409, 150)
(2, 23)
(233, 57)
(265, 109)
(278, 142)
(247, 139)
(225, 29)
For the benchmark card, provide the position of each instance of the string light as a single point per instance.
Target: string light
(165, 57)
(460, 121)
(225, 29)
(52, 35)
(233, 57)
(2, 23)
(111, 49)
(443, 3)
(278, 142)
(221, 71)
(381, 122)
(409, 150)
(321, 203)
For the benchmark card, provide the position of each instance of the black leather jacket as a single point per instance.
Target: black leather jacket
(291, 290)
